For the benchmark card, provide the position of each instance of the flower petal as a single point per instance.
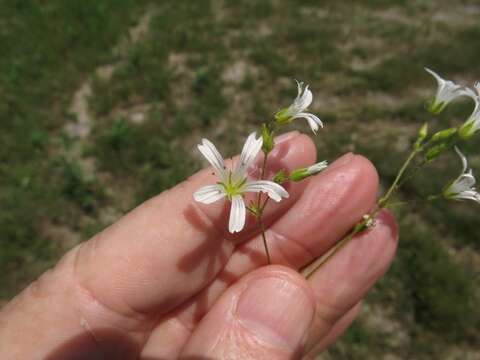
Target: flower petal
(463, 183)
(313, 121)
(306, 99)
(437, 77)
(213, 156)
(273, 190)
(469, 195)
(474, 118)
(299, 89)
(209, 194)
(462, 158)
(446, 92)
(316, 168)
(249, 153)
(237, 214)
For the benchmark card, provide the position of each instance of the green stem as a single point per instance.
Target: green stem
(260, 210)
(317, 263)
(312, 268)
(412, 173)
(429, 198)
(384, 200)
(262, 228)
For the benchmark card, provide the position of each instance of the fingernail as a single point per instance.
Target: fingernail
(287, 136)
(342, 160)
(277, 311)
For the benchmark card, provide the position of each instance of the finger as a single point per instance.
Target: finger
(337, 330)
(155, 257)
(345, 279)
(330, 205)
(172, 240)
(266, 315)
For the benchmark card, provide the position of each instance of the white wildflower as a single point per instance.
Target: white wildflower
(446, 92)
(298, 109)
(473, 122)
(463, 187)
(234, 184)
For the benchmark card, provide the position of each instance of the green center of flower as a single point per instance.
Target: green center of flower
(233, 187)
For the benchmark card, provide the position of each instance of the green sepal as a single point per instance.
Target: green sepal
(254, 209)
(280, 177)
(435, 151)
(282, 117)
(446, 193)
(466, 130)
(298, 174)
(444, 135)
(435, 108)
(422, 135)
(267, 136)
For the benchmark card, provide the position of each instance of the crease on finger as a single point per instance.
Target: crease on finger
(315, 346)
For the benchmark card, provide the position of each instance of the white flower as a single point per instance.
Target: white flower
(463, 187)
(302, 173)
(473, 122)
(234, 184)
(298, 109)
(446, 92)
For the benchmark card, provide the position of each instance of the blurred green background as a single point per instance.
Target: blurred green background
(102, 102)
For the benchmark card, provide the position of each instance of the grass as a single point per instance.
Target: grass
(218, 69)
(48, 50)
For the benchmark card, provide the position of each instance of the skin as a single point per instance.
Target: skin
(168, 281)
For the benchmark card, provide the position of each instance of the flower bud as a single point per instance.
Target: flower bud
(267, 136)
(467, 130)
(303, 173)
(444, 135)
(422, 134)
(435, 151)
(280, 177)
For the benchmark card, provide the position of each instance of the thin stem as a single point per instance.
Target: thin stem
(262, 175)
(262, 228)
(384, 200)
(264, 204)
(311, 268)
(429, 198)
(412, 173)
(261, 208)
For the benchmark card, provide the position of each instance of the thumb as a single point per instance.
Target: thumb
(266, 315)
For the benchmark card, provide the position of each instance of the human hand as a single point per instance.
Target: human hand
(168, 281)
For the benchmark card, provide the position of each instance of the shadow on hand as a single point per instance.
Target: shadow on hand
(107, 344)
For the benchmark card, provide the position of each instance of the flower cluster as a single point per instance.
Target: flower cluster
(463, 187)
(448, 91)
(234, 183)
